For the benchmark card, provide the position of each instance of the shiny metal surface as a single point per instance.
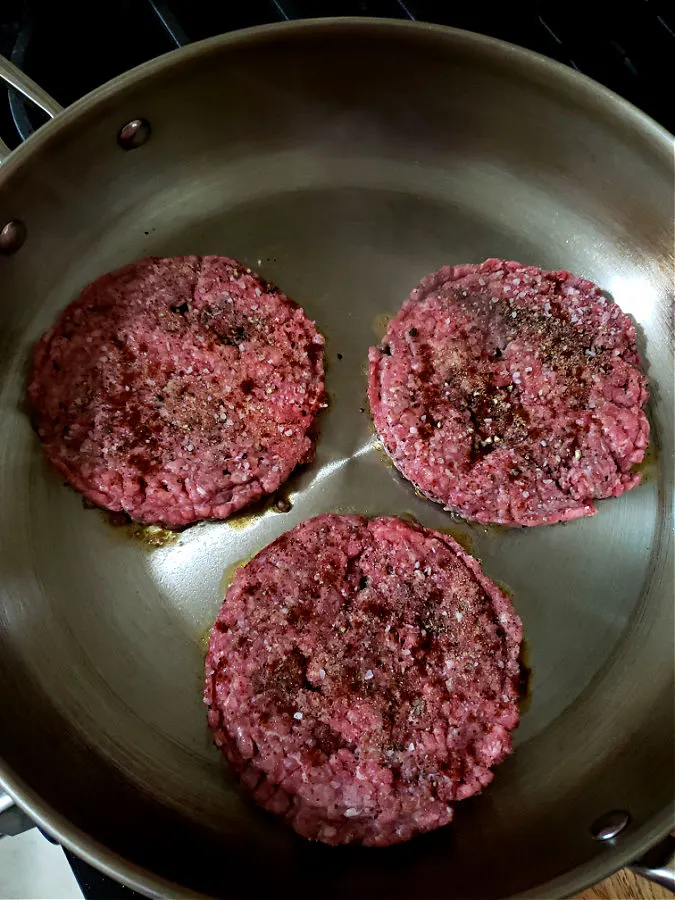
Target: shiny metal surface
(343, 160)
(10, 74)
(19, 80)
(134, 134)
(658, 864)
(12, 236)
(609, 825)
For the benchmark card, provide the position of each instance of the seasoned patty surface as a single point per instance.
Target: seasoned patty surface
(362, 676)
(178, 389)
(510, 394)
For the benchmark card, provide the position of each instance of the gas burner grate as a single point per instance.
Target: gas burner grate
(629, 51)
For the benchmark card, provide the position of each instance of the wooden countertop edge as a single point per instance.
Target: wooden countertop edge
(625, 885)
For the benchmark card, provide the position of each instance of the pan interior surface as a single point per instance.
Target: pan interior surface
(343, 162)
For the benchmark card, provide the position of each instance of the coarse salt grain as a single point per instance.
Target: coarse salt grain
(297, 715)
(368, 675)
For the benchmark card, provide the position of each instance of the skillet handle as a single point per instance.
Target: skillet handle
(16, 78)
(658, 864)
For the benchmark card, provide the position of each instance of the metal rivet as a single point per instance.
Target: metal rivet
(133, 134)
(607, 827)
(12, 236)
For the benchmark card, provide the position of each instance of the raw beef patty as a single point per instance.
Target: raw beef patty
(510, 394)
(178, 389)
(362, 676)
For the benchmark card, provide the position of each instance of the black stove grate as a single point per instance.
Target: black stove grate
(627, 48)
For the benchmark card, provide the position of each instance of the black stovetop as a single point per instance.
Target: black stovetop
(72, 46)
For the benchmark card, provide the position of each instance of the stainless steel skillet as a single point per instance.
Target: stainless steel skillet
(344, 159)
